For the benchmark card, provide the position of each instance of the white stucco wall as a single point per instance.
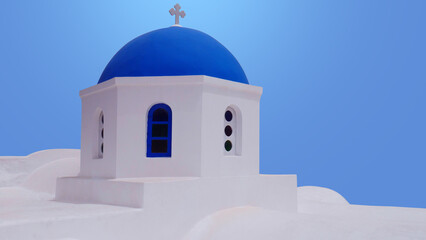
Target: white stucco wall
(102, 97)
(244, 99)
(135, 98)
(198, 106)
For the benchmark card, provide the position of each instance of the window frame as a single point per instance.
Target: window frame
(150, 138)
(235, 138)
(101, 135)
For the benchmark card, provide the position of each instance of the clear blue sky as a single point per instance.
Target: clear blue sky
(344, 102)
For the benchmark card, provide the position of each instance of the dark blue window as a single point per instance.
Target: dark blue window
(159, 140)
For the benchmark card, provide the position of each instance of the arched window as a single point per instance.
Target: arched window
(159, 139)
(232, 133)
(101, 135)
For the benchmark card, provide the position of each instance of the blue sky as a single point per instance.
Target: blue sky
(344, 81)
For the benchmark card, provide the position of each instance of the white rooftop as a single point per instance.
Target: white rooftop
(28, 211)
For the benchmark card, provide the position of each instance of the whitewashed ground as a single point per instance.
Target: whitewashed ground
(15, 169)
(323, 214)
(28, 212)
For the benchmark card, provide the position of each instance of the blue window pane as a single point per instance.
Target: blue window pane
(159, 130)
(160, 115)
(159, 146)
(228, 116)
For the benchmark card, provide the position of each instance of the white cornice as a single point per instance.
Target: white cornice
(210, 84)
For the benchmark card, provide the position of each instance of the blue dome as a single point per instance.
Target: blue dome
(174, 51)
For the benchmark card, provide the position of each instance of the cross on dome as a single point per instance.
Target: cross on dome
(177, 13)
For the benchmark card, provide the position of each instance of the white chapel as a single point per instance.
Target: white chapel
(173, 117)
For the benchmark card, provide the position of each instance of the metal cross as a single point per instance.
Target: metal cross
(177, 13)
